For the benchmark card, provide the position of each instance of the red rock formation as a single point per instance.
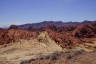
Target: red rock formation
(64, 39)
(7, 36)
(68, 36)
(85, 31)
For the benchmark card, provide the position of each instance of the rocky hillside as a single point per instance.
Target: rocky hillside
(65, 36)
(12, 35)
(31, 45)
(25, 50)
(69, 36)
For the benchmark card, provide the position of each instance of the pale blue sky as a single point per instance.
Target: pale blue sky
(32, 11)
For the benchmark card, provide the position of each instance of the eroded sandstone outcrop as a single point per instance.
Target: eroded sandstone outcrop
(11, 35)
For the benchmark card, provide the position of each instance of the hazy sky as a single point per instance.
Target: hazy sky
(30, 11)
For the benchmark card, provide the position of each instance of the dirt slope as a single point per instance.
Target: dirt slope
(88, 58)
(27, 49)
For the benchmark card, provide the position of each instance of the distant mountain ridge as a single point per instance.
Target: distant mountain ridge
(58, 23)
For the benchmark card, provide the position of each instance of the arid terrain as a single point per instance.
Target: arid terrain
(49, 43)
